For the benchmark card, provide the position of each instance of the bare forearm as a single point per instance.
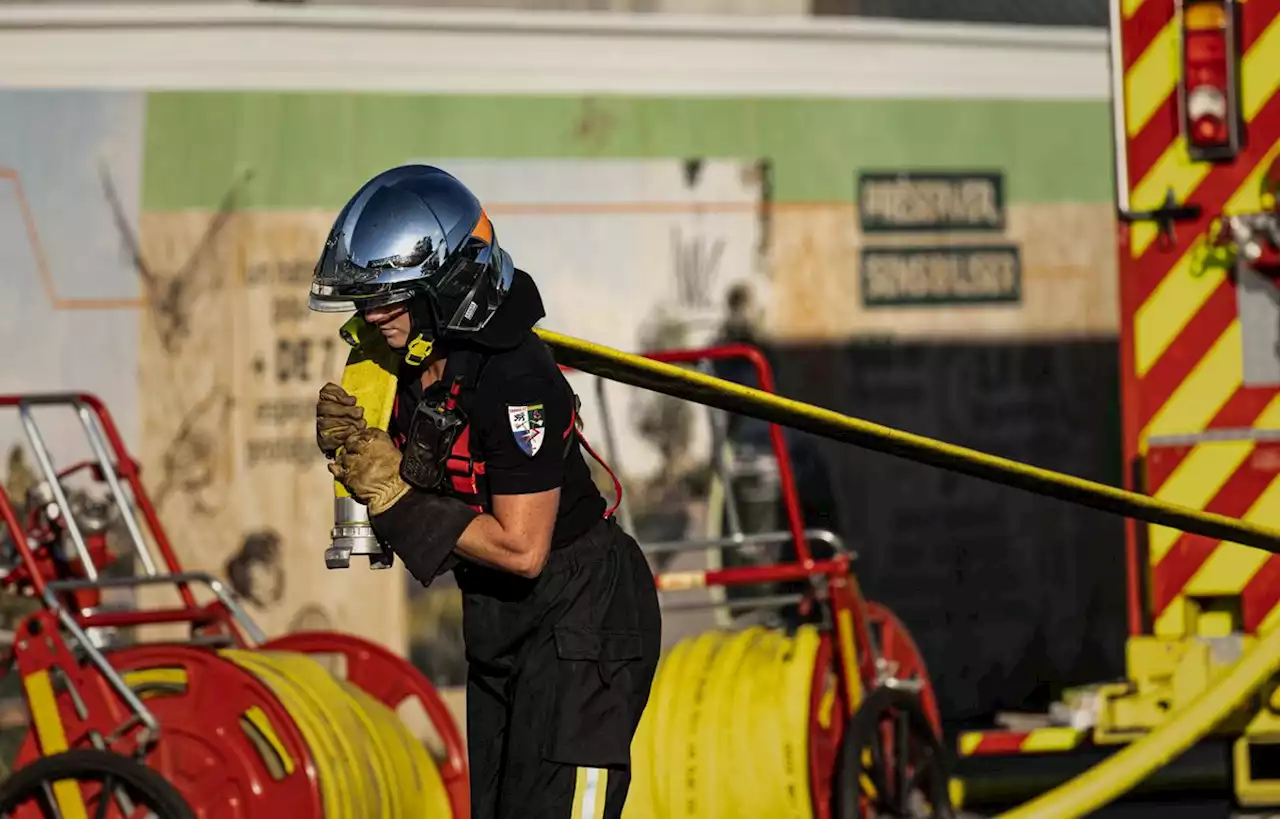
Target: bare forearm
(485, 541)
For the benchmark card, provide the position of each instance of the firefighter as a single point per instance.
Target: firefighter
(482, 471)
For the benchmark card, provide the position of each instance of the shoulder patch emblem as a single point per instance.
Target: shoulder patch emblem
(528, 425)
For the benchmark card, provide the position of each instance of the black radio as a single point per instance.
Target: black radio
(432, 431)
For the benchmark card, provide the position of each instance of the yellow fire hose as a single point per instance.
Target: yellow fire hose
(700, 388)
(368, 763)
(1104, 782)
(369, 377)
(1110, 779)
(726, 730)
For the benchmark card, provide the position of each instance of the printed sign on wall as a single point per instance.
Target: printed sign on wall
(939, 271)
(965, 274)
(928, 201)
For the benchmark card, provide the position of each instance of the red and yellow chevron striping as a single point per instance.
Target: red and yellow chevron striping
(1183, 340)
(1036, 741)
(1196, 566)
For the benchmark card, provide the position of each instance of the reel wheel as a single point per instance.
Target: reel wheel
(902, 657)
(90, 783)
(227, 742)
(892, 763)
(826, 726)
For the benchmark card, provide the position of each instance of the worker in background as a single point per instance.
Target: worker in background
(750, 439)
(483, 471)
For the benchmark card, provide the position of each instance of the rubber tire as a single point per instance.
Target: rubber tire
(145, 786)
(847, 790)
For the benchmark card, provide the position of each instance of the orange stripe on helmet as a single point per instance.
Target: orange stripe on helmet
(483, 229)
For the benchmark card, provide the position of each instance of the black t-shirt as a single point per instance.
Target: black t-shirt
(519, 412)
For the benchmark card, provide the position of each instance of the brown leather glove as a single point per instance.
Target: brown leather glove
(337, 418)
(369, 466)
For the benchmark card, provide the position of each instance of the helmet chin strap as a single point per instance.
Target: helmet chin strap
(421, 332)
(418, 351)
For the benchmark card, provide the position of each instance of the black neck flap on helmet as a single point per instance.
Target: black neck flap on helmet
(521, 310)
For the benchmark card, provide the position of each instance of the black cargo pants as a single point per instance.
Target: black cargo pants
(559, 670)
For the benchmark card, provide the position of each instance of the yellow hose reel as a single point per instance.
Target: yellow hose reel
(369, 766)
(727, 730)
(267, 734)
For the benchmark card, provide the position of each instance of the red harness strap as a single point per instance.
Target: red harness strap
(466, 474)
(574, 427)
(402, 435)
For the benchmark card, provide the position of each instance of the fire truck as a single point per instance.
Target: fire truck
(1197, 134)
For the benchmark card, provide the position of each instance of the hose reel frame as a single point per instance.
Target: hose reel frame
(866, 648)
(136, 702)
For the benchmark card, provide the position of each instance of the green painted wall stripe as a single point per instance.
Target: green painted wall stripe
(311, 150)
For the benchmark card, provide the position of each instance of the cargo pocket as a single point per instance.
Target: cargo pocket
(595, 693)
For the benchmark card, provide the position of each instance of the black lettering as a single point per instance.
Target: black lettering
(930, 201)
(951, 275)
(293, 360)
(329, 350)
(299, 360)
(296, 451)
(284, 411)
(288, 309)
(258, 273)
(298, 272)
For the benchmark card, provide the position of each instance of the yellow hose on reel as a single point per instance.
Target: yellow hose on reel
(368, 763)
(726, 732)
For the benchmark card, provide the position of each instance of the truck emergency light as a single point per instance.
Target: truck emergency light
(1209, 102)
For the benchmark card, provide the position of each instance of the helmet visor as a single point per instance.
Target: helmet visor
(326, 298)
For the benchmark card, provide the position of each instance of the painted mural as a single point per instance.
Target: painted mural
(70, 304)
(176, 234)
(71, 296)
